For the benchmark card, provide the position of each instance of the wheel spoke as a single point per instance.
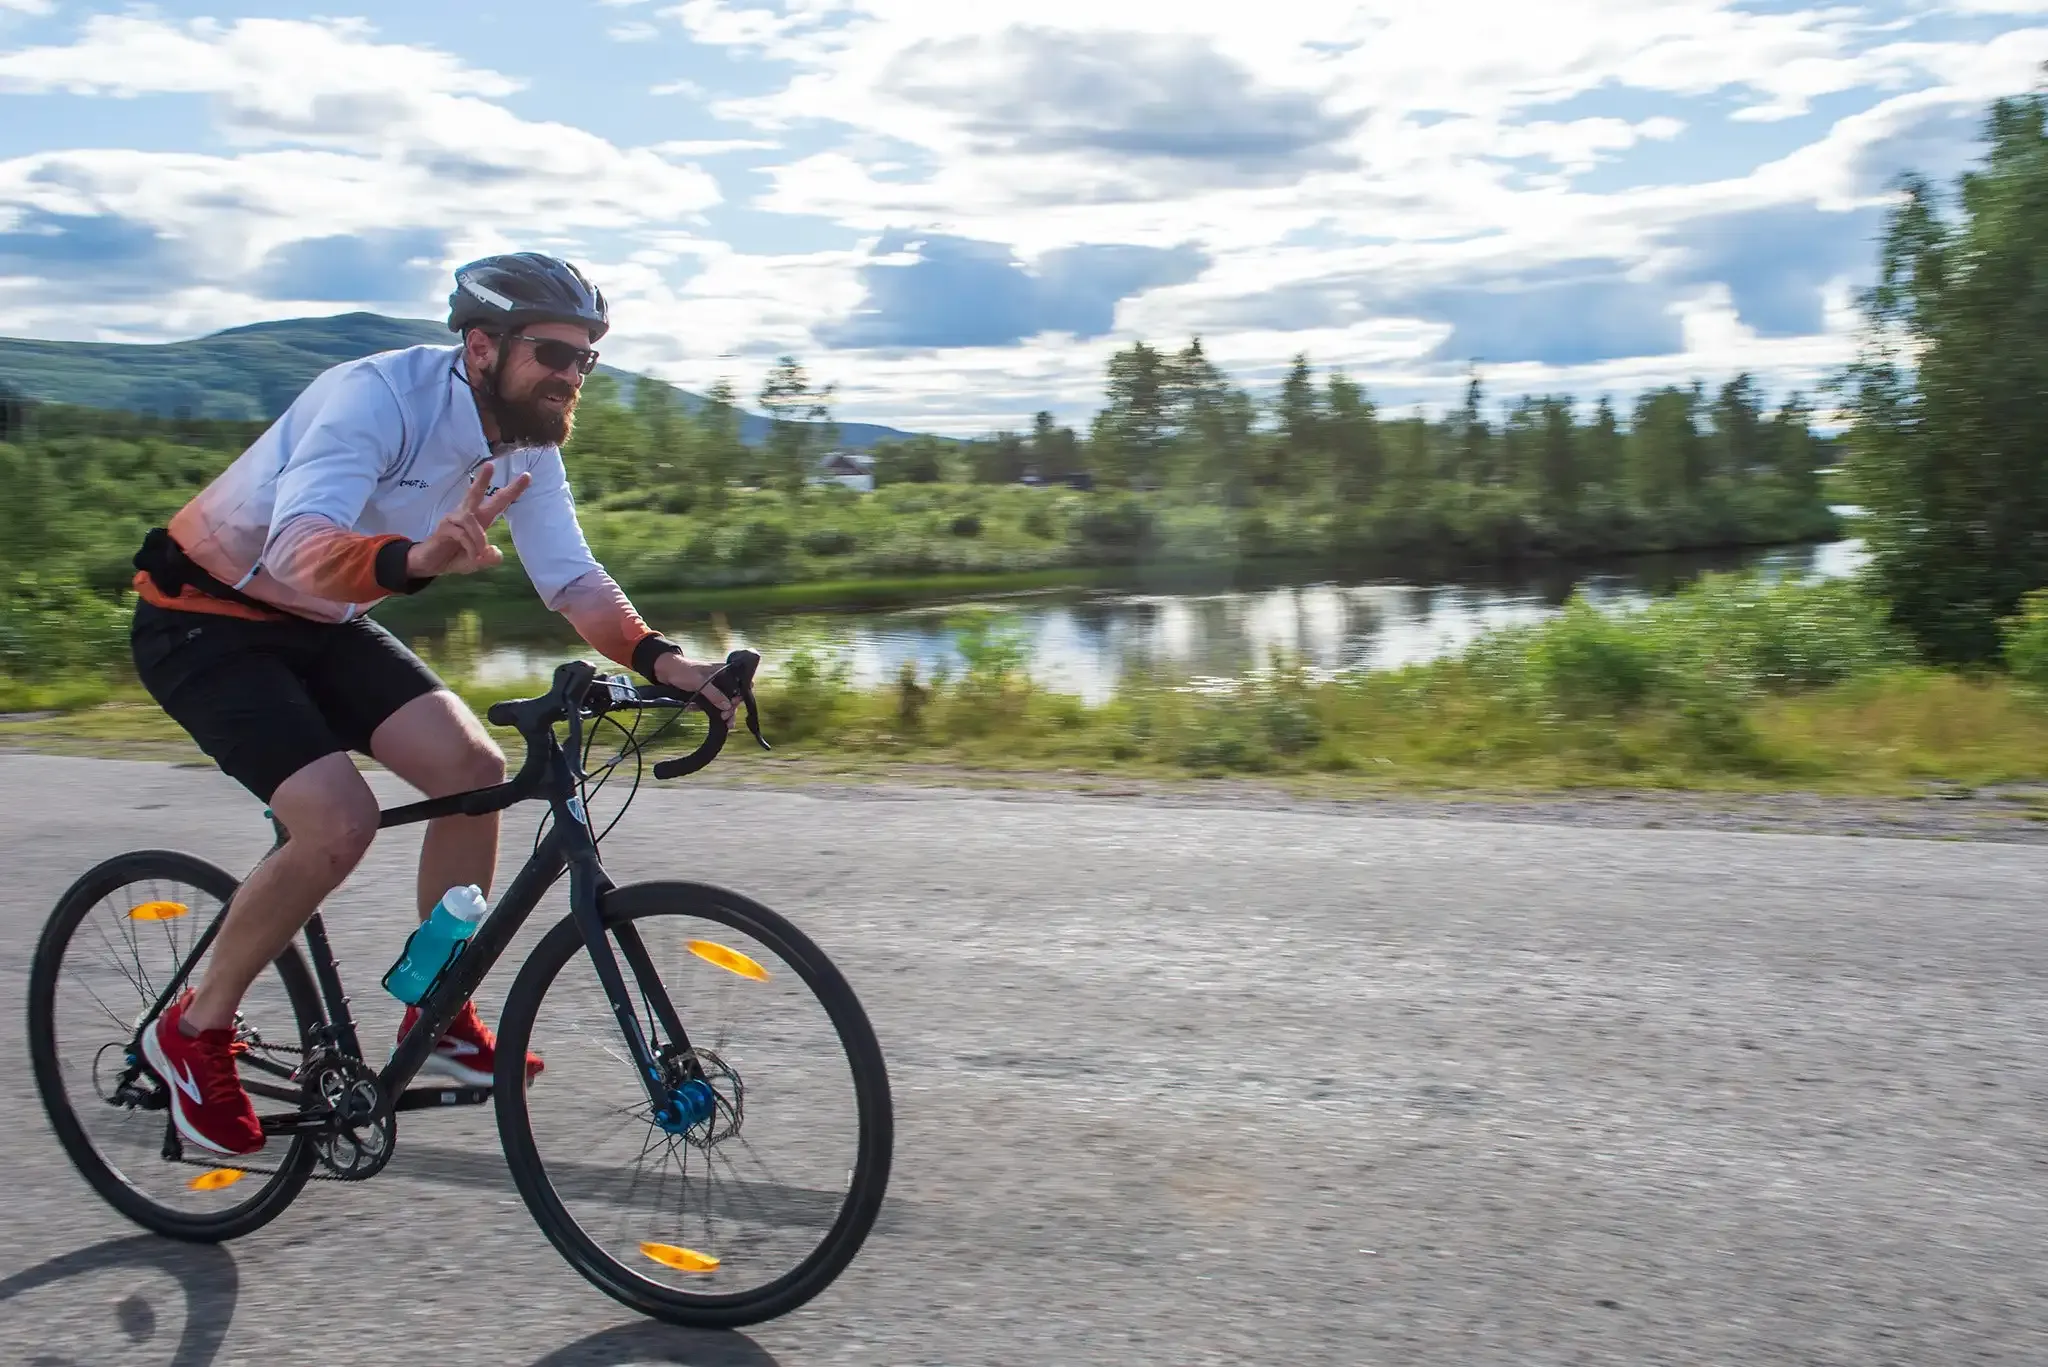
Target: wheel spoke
(743, 1211)
(78, 1060)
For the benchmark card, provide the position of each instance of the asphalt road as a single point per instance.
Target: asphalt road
(1181, 1085)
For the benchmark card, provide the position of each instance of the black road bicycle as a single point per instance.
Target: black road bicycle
(714, 1175)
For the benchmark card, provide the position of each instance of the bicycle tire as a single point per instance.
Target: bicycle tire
(283, 1186)
(870, 1174)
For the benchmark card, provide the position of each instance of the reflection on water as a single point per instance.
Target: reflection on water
(1081, 642)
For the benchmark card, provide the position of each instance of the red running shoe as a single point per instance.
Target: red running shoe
(467, 1051)
(208, 1104)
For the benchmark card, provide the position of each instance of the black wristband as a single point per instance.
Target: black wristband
(651, 648)
(390, 569)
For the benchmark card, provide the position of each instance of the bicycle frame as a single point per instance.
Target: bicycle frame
(568, 846)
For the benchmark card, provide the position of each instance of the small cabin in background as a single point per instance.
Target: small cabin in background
(850, 469)
(1076, 479)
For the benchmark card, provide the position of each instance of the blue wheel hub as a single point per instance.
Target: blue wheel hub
(689, 1106)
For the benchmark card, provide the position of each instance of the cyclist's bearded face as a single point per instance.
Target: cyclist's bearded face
(532, 405)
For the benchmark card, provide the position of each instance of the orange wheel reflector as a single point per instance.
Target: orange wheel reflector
(731, 960)
(216, 1178)
(158, 911)
(681, 1259)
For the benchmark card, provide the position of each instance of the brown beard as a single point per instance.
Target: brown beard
(526, 422)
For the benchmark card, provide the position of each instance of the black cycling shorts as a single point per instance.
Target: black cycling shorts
(265, 699)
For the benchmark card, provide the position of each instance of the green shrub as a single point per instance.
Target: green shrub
(912, 698)
(1285, 704)
(812, 689)
(1222, 733)
(830, 541)
(994, 649)
(1587, 663)
(760, 543)
(2025, 636)
(1115, 525)
(51, 626)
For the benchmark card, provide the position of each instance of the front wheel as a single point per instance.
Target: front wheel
(759, 1184)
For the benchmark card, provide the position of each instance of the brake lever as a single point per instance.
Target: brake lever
(753, 715)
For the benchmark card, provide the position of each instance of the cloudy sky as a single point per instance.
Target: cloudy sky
(956, 211)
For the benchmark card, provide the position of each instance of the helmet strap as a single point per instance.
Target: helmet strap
(490, 393)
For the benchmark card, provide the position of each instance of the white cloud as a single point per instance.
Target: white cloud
(340, 134)
(1417, 132)
(269, 69)
(28, 6)
(638, 31)
(1343, 170)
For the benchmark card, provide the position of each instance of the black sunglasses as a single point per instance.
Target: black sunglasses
(558, 355)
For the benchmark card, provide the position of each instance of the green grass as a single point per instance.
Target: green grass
(1893, 733)
(65, 695)
(1734, 684)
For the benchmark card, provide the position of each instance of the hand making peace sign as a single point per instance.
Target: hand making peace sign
(461, 543)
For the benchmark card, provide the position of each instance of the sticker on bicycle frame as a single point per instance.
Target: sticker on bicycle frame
(576, 810)
(159, 911)
(681, 1259)
(731, 960)
(216, 1178)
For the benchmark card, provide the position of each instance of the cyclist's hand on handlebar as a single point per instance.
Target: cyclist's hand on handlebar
(461, 543)
(685, 677)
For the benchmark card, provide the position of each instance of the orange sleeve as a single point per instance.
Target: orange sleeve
(314, 556)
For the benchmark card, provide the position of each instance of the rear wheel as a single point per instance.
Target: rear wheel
(753, 1196)
(118, 936)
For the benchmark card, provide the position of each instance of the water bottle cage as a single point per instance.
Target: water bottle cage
(461, 946)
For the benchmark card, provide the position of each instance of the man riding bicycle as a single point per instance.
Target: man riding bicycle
(384, 474)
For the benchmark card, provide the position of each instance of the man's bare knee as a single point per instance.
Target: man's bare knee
(340, 836)
(476, 764)
(330, 816)
(434, 744)
(481, 765)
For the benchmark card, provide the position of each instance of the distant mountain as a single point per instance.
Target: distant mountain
(256, 371)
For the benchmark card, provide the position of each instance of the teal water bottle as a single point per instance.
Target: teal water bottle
(431, 948)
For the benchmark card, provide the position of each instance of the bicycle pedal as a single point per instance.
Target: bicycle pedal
(433, 1098)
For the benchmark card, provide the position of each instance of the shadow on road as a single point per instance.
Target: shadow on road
(645, 1341)
(782, 1206)
(206, 1273)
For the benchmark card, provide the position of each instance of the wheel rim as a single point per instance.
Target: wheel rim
(122, 950)
(748, 1194)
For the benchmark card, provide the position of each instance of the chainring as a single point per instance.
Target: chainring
(353, 1147)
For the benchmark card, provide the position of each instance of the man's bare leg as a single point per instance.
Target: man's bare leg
(330, 817)
(438, 746)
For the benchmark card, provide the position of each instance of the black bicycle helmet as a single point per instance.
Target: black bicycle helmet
(500, 293)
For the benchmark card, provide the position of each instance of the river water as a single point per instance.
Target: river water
(1081, 641)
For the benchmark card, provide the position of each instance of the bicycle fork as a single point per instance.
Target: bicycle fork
(690, 1100)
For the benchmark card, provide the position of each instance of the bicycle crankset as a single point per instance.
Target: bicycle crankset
(350, 1145)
